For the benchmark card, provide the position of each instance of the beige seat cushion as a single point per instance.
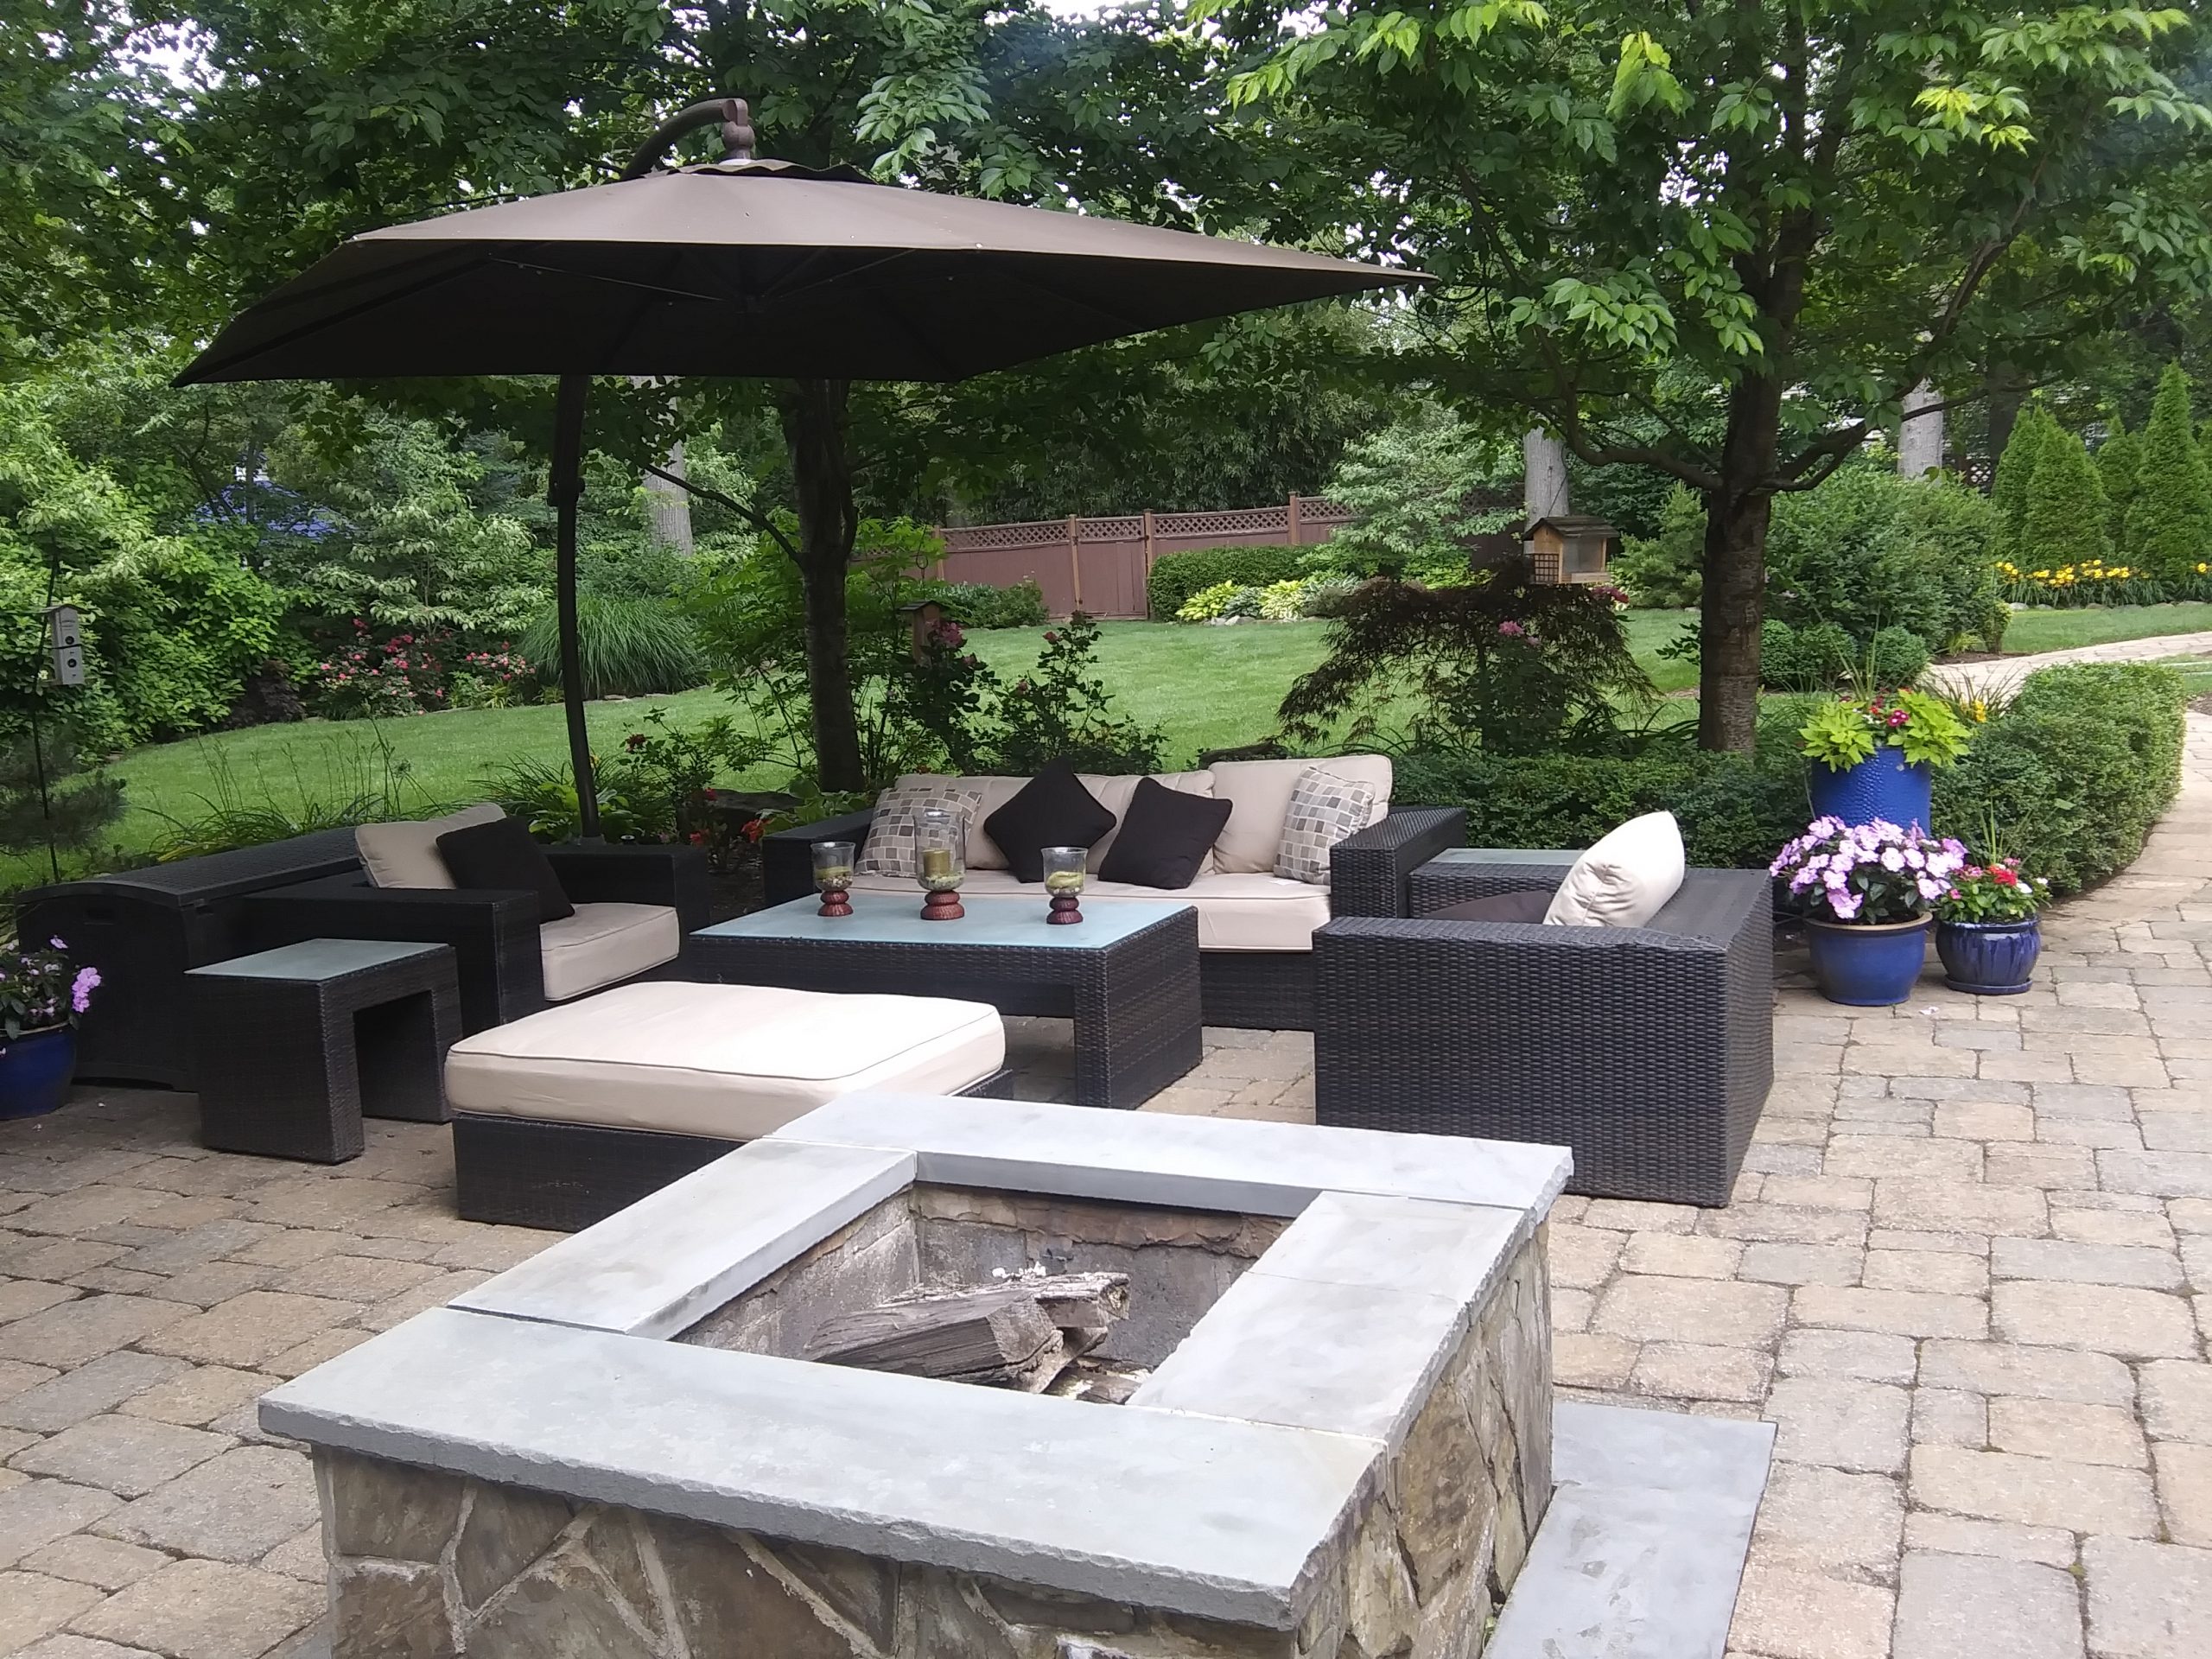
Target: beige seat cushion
(1259, 794)
(1236, 913)
(601, 943)
(406, 854)
(730, 1061)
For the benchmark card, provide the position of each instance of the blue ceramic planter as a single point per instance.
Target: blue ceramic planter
(1989, 958)
(34, 1072)
(1867, 967)
(1880, 786)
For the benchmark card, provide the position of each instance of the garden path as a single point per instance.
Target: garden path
(1968, 1273)
(2006, 673)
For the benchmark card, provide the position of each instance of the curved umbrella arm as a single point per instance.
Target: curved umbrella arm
(734, 115)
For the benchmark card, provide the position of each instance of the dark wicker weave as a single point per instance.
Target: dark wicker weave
(1251, 990)
(144, 929)
(286, 1067)
(1648, 1051)
(1135, 1000)
(521, 1172)
(494, 933)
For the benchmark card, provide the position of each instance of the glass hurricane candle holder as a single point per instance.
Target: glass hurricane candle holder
(940, 863)
(1064, 868)
(833, 877)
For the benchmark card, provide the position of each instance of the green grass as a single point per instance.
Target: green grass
(2034, 631)
(1207, 688)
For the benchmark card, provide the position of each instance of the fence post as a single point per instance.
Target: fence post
(1297, 522)
(1075, 562)
(1150, 552)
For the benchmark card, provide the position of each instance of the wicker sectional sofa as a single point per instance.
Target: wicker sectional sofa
(1255, 930)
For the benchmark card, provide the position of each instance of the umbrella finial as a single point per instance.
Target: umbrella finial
(737, 130)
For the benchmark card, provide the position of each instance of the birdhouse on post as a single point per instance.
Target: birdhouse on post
(923, 619)
(66, 644)
(1570, 547)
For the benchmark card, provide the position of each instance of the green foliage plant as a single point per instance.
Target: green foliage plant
(979, 605)
(1175, 577)
(1993, 892)
(2068, 518)
(2169, 521)
(1284, 601)
(627, 647)
(1062, 710)
(363, 782)
(1869, 549)
(2016, 470)
(1414, 485)
(49, 799)
(1844, 731)
(1223, 599)
(1502, 662)
(1666, 571)
(2120, 466)
(1811, 659)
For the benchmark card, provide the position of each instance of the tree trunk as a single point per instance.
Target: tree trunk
(1543, 494)
(670, 504)
(2008, 389)
(814, 417)
(1736, 516)
(1920, 437)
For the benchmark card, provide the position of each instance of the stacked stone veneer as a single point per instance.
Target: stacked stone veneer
(425, 1563)
(1178, 1261)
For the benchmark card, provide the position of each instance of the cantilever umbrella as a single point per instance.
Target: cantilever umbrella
(740, 267)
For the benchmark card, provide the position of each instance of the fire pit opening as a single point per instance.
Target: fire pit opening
(1074, 1297)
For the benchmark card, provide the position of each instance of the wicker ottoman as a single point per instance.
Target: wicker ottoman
(564, 1117)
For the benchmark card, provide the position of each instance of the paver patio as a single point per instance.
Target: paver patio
(1968, 1273)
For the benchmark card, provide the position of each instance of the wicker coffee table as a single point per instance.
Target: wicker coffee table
(292, 1045)
(1128, 974)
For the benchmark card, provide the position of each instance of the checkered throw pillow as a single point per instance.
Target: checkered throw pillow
(1324, 810)
(894, 835)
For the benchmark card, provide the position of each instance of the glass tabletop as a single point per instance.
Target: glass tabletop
(1506, 856)
(896, 918)
(314, 959)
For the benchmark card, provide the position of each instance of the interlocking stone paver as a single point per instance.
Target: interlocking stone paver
(1800, 1264)
(72, 1332)
(1907, 1312)
(199, 1395)
(249, 1329)
(1802, 1615)
(1681, 1255)
(205, 1609)
(1841, 1423)
(92, 1559)
(2132, 1323)
(63, 1645)
(2035, 1491)
(1689, 1370)
(1871, 1356)
(2177, 1400)
(1949, 1605)
(129, 1456)
(1951, 1273)
(1958, 1534)
(1724, 1313)
(31, 1604)
(1949, 1417)
(35, 1513)
(237, 1507)
(2185, 1492)
(1815, 1519)
(21, 1296)
(2067, 1429)
(2147, 1600)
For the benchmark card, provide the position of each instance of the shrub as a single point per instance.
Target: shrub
(1281, 602)
(1221, 599)
(1176, 576)
(1666, 571)
(1893, 657)
(2068, 516)
(628, 647)
(2169, 521)
(1414, 485)
(2077, 769)
(1869, 549)
(1328, 596)
(1811, 659)
(979, 605)
(2120, 466)
(2016, 467)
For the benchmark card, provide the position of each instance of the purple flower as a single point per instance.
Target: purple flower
(1893, 859)
(81, 988)
(1511, 630)
(57, 944)
(1845, 905)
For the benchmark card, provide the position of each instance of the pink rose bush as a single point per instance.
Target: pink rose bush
(1869, 873)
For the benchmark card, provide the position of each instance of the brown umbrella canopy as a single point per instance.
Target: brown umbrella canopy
(751, 268)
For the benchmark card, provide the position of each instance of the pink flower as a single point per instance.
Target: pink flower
(1511, 629)
(81, 988)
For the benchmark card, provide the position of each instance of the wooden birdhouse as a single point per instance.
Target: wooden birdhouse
(922, 618)
(1570, 547)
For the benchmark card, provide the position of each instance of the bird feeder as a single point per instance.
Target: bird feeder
(1570, 547)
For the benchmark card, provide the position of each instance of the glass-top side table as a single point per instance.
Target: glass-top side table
(291, 1047)
(1462, 872)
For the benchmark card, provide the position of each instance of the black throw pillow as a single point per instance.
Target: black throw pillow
(1053, 810)
(1496, 907)
(1164, 837)
(500, 854)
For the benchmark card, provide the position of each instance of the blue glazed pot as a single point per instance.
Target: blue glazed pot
(1989, 958)
(1880, 786)
(1867, 967)
(34, 1072)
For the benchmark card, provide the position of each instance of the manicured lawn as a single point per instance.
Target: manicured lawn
(2045, 629)
(1207, 688)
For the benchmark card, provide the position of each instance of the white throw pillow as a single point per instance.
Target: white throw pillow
(1324, 810)
(1625, 880)
(894, 835)
(406, 854)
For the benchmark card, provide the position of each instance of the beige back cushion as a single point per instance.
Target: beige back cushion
(983, 853)
(406, 854)
(1259, 794)
(1115, 794)
(1625, 880)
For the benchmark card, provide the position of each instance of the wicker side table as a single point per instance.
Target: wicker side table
(292, 1045)
(1460, 873)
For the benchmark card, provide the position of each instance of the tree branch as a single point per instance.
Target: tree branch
(758, 520)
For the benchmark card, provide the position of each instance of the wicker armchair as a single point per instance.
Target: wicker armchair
(1255, 990)
(494, 933)
(1648, 1051)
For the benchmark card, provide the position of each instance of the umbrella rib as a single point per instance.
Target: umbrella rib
(660, 289)
(322, 322)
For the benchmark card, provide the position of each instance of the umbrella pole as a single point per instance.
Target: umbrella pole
(566, 487)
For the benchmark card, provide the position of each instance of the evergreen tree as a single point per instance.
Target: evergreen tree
(2169, 521)
(2119, 458)
(2015, 469)
(2067, 515)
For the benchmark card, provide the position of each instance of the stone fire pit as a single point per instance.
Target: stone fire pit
(1339, 1446)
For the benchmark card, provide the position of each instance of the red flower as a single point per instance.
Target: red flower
(753, 829)
(698, 837)
(2003, 877)
(635, 741)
